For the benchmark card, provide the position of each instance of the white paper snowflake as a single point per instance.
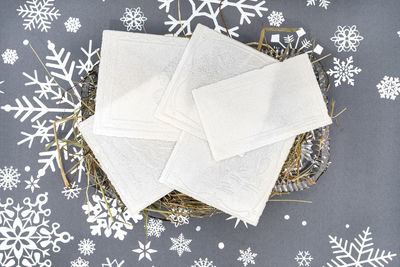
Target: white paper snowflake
(72, 24)
(101, 221)
(247, 256)
(32, 184)
(9, 178)
(209, 9)
(322, 3)
(9, 56)
(26, 235)
(144, 251)
(86, 246)
(43, 113)
(237, 221)
(71, 192)
(347, 38)
(203, 263)
(155, 227)
(178, 216)
(79, 262)
(276, 18)
(180, 244)
(358, 253)
(38, 14)
(389, 87)
(303, 258)
(344, 71)
(133, 19)
(113, 263)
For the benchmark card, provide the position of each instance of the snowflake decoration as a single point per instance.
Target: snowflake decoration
(358, 253)
(72, 24)
(38, 14)
(32, 184)
(86, 246)
(101, 220)
(144, 251)
(79, 262)
(42, 113)
(209, 9)
(347, 38)
(155, 227)
(203, 263)
(180, 244)
(72, 191)
(26, 235)
(276, 18)
(178, 216)
(9, 56)
(246, 256)
(133, 19)
(389, 87)
(303, 258)
(344, 71)
(237, 221)
(113, 263)
(322, 3)
(9, 178)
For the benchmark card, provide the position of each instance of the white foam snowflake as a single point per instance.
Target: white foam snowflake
(203, 263)
(344, 71)
(155, 227)
(389, 87)
(178, 216)
(102, 222)
(276, 18)
(113, 263)
(9, 56)
(32, 184)
(347, 38)
(133, 19)
(79, 262)
(26, 235)
(303, 258)
(180, 244)
(9, 178)
(72, 24)
(43, 113)
(237, 221)
(209, 9)
(144, 251)
(358, 253)
(38, 14)
(247, 256)
(72, 191)
(86, 246)
(322, 3)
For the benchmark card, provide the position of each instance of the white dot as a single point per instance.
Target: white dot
(25, 42)
(221, 245)
(198, 228)
(304, 223)
(286, 217)
(27, 168)
(347, 226)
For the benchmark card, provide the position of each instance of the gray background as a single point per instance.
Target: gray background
(361, 187)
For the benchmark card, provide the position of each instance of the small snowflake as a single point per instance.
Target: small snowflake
(347, 38)
(86, 246)
(180, 244)
(72, 191)
(389, 87)
(276, 18)
(72, 24)
(303, 258)
(236, 222)
(246, 256)
(79, 262)
(344, 71)
(9, 56)
(144, 251)
(133, 19)
(113, 263)
(203, 263)
(322, 3)
(9, 178)
(38, 14)
(178, 216)
(155, 227)
(32, 184)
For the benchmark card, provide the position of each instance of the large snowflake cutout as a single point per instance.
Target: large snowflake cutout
(113, 263)
(358, 253)
(133, 19)
(155, 227)
(144, 251)
(9, 56)
(79, 262)
(38, 14)
(101, 221)
(26, 235)
(321, 3)
(247, 256)
(344, 71)
(209, 9)
(276, 18)
(303, 258)
(9, 178)
(180, 244)
(347, 38)
(203, 263)
(86, 246)
(389, 87)
(72, 24)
